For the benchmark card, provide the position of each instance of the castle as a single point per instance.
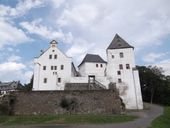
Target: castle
(53, 70)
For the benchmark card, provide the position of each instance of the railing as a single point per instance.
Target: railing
(99, 84)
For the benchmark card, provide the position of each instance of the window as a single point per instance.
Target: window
(51, 67)
(120, 66)
(119, 72)
(45, 80)
(62, 67)
(59, 80)
(101, 65)
(119, 80)
(127, 66)
(50, 56)
(55, 67)
(113, 56)
(96, 65)
(121, 55)
(53, 50)
(55, 56)
(54, 73)
(44, 67)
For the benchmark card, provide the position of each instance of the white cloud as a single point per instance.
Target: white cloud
(165, 64)
(11, 35)
(35, 27)
(141, 23)
(57, 3)
(14, 58)
(14, 71)
(79, 48)
(11, 66)
(21, 8)
(152, 57)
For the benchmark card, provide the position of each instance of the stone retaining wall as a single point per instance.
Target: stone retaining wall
(60, 102)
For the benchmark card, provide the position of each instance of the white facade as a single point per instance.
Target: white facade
(89, 68)
(126, 76)
(52, 69)
(120, 69)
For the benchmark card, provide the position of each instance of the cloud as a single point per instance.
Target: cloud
(14, 58)
(141, 23)
(14, 71)
(165, 64)
(152, 57)
(79, 48)
(35, 27)
(22, 7)
(11, 35)
(57, 3)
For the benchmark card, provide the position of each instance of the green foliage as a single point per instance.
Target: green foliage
(64, 119)
(155, 86)
(163, 121)
(27, 87)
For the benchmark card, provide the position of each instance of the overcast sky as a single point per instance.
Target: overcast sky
(80, 27)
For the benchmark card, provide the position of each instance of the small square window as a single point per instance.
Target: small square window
(121, 55)
(96, 65)
(119, 80)
(45, 80)
(59, 80)
(52, 67)
(55, 56)
(50, 56)
(119, 72)
(120, 66)
(44, 67)
(101, 65)
(127, 66)
(62, 67)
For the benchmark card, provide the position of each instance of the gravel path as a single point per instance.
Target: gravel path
(144, 120)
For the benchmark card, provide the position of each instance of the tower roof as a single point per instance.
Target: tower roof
(92, 58)
(119, 43)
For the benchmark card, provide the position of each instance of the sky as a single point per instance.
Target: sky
(81, 27)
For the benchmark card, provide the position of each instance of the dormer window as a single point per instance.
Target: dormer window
(121, 54)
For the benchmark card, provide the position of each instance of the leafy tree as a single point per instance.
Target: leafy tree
(155, 86)
(27, 87)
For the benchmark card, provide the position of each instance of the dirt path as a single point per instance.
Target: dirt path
(144, 120)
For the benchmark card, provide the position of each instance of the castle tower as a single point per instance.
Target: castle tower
(121, 70)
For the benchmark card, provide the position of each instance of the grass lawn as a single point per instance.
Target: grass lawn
(162, 121)
(65, 119)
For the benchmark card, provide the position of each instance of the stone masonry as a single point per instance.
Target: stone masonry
(62, 102)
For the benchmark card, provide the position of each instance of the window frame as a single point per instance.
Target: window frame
(121, 55)
(50, 56)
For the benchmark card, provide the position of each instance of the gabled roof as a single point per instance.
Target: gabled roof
(92, 58)
(119, 43)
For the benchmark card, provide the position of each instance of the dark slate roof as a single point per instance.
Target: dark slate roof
(119, 43)
(92, 58)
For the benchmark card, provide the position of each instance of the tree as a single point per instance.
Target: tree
(27, 87)
(154, 85)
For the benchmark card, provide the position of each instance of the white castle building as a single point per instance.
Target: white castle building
(53, 70)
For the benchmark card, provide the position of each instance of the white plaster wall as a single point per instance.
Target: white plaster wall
(79, 80)
(89, 68)
(128, 87)
(52, 79)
